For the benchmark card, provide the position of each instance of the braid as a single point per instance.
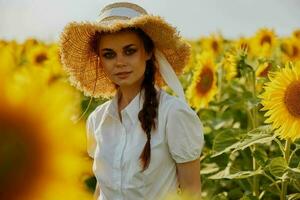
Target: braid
(148, 113)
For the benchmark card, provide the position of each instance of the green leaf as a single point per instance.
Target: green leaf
(221, 174)
(260, 156)
(293, 173)
(260, 135)
(224, 140)
(296, 184)
(220, 196)
(294, 196)
(235, 193)
(239, 175)
(249, 197)
(264, 129)
(208, 168)
(278, 166)
(244, 174)
(227, 141)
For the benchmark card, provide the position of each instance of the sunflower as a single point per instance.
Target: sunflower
(7, 59)
(11, 54)
(3, 43)
(244, 44)
(180, 195)
(264, 42)
(53, 63)
(213, 43)
(291, 49)
(296, 34)
(203, 87)
(28, 44)
(38, 55)
(41, 149)
(263, 69)
(229, 64)
(281, 101)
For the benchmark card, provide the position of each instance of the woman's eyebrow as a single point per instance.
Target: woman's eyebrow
(125, 47)
(129, 45)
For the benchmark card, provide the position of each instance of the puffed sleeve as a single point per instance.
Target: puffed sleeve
(91, 141)
(184, 132)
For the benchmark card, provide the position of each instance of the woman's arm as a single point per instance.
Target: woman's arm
(189, 178)
(97, 192)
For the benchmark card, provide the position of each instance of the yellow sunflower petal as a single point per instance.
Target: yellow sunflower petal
(281, 101)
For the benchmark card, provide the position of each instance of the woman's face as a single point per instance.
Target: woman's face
(123, 57)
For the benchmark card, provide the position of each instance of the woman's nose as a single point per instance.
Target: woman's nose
(120, 61)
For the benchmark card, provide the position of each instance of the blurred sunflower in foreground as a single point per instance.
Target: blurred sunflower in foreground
(281, 101)
(179, 195)
(42, 153)
(203, 87)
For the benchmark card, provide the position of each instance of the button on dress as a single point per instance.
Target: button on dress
(116, 146)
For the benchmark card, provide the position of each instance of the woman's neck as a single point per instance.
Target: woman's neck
(125, 96)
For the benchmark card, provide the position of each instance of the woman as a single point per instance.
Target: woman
(145, 143)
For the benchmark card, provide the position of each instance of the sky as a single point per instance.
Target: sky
(45, 19)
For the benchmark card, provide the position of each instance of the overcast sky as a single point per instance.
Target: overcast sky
(44, 19)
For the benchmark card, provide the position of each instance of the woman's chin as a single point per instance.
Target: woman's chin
(123, 83)
(127, 83)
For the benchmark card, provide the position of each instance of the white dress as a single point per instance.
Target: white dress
(116, 147)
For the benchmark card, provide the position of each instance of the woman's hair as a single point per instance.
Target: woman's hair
(148, 113)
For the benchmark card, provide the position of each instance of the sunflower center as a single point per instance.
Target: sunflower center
(292, 98)
(40, 58)
(21, 156)
(295, 51)
(265, 72)
(206, 81)
(265, 39)
(215, 46)
(297, 34)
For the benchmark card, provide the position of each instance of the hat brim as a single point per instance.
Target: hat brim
(81, 63)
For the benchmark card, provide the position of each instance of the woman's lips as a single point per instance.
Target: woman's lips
(123, 74)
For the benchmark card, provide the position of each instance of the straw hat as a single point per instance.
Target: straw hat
(82, 64)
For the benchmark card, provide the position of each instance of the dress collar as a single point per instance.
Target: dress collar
(132, 109)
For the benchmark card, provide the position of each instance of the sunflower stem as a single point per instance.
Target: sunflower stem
(287, 158)
(273, 181)
(254, 125)
(220, 78)
(254, 96)
(280, 145)
(255, 178)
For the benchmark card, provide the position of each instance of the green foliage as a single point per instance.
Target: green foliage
(243, 158)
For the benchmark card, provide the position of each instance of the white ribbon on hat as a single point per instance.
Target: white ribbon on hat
(169, 75)
(120, 11)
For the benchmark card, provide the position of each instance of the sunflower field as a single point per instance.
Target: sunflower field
(246, 92)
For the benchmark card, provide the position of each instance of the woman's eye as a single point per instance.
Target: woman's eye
(108, 55)
(130, 51)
